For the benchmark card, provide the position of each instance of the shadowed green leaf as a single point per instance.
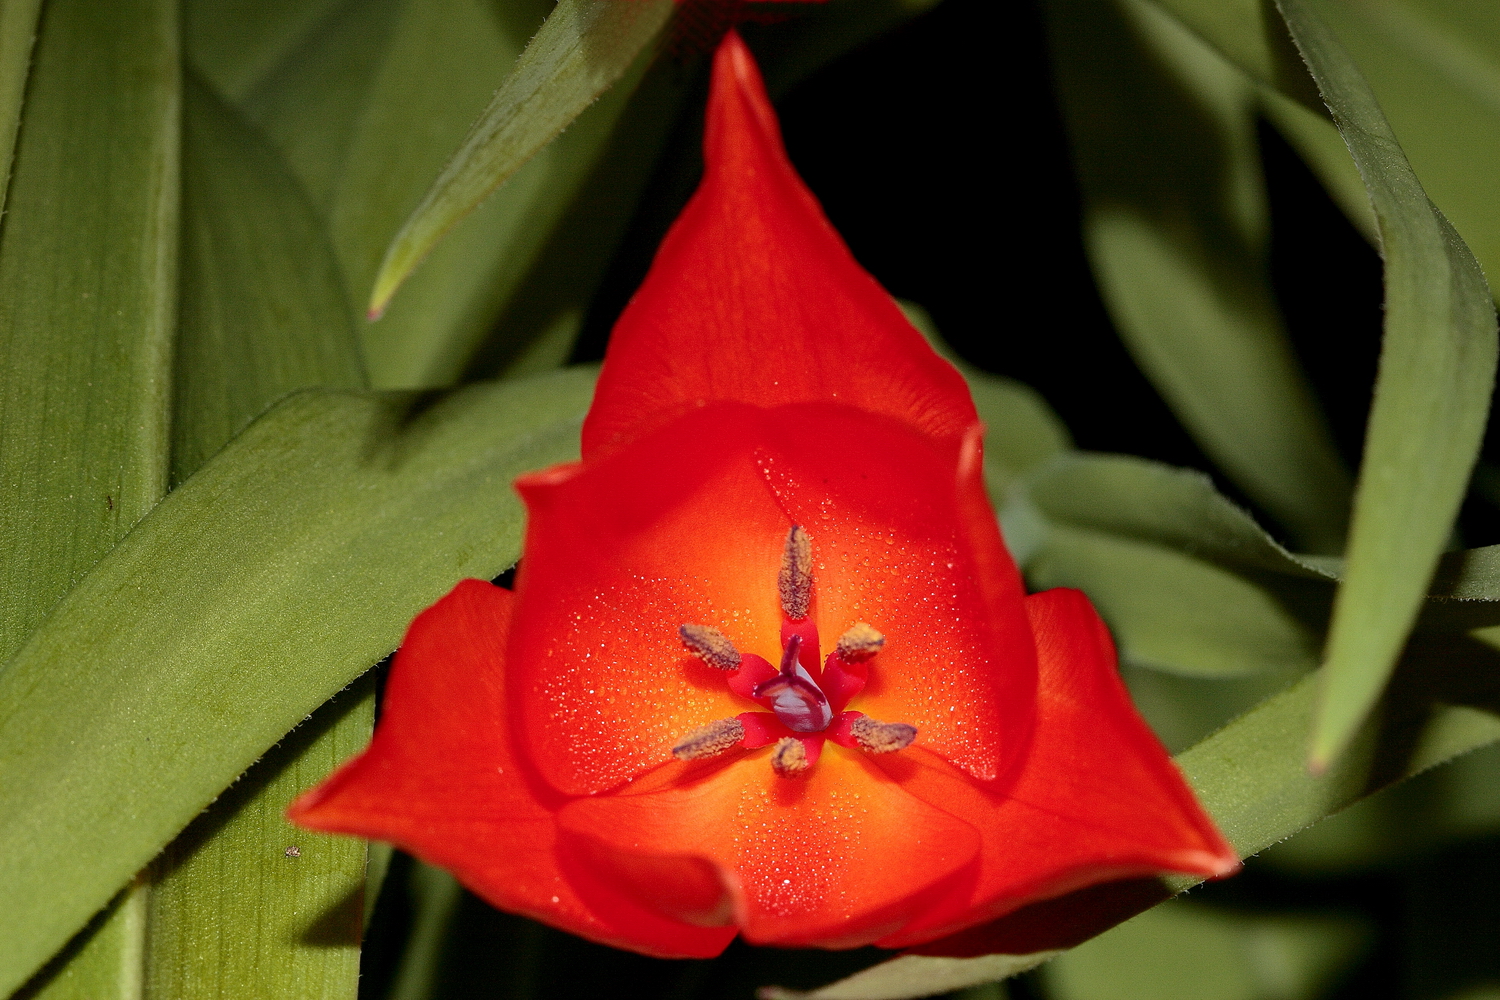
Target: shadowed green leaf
(1437, 370)
(583, 48)
(262, 308)
(245, 904)
(17, 31)
(88, 261)
(264, 584)
(1234, 956)
(236, 43)
(1176, 226)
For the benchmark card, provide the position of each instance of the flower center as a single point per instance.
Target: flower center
(805, 702)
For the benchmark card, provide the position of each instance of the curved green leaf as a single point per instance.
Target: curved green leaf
(1437, 370)
(1176, 225)
(583, 48)
(263, 585)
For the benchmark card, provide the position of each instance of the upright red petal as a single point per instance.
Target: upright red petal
(754, 298)
(442, 779)
(1098, 798)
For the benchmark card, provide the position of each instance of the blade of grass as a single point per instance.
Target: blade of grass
(265, 583)
(1437, 370)
(1177, 234)
(584, 47)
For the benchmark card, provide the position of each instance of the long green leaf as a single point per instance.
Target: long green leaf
(263, 313)
(1176, 225)
(88, 256)
(263, 585)
(583, 48)
(17, 32)
(1437, 370)
(248, 905)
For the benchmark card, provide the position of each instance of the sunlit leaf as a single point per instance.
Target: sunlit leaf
(287, 566)
(1176, 226)
(87, 298)
(583, 48)
(1437, 370)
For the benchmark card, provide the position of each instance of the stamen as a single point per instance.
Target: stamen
(711, 646)
(789, 758)
(882, 737)
(710, 740)
(860, 643)
(795, 579)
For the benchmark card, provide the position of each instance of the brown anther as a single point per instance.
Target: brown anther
(711, 646)
(710, 740)
(795, 579)
(860, 643)
(882, 737)
(789, 757)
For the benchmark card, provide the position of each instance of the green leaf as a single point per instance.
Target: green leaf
(1176, 226)
(1186, 581)
(1435, 69)
(17, 31)
(252, 593)
(583, 48)
(367, 143)
(1233, 956)
(235, 44)
(88, 260)
(244, 903)
(1252, 36)
(262, 308)
(1437, 370)
(105, 959)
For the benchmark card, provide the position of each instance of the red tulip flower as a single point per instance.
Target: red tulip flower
(768, 668)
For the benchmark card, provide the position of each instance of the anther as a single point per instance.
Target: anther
(789, 758)
(860, 643)
(711, 646)
(881, 737)
(795, 579)
(710, 740)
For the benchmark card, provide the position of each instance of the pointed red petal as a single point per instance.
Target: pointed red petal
(688, 525)
(442, 780)
(754, 298)
(834, 859)
(1098, 799)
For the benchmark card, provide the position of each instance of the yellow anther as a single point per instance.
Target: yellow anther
(711, 646)
(882, 737)
(789, 757)
(860, 643)
(710, 740)
(795, 579)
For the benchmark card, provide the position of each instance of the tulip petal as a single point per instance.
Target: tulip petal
(753, 297)
(834, 859)
(688, 524)
(1097, 800)
(442, 780)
